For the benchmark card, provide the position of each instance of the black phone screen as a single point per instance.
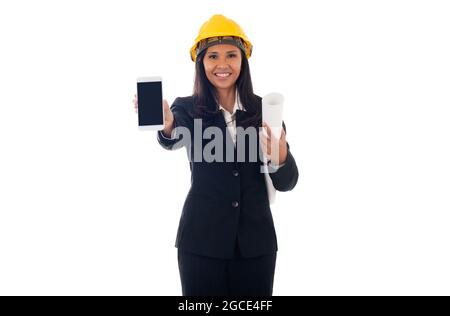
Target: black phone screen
(150, 106)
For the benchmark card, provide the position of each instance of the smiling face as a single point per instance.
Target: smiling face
(222, 64)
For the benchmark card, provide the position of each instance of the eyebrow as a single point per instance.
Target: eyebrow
(230, 51)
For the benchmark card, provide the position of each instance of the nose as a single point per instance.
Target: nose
(222, 63)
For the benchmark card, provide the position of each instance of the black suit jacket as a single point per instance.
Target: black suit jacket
(227, 201)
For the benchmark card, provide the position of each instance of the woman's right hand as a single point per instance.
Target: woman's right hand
(168, 117)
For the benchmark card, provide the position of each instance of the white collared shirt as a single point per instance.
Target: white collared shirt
(230, 118)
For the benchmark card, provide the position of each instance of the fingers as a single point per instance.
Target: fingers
(269, 131)
(167, 111)
(268, 143)
(283, 135)
(265, 145)
(135, 102)
(166, 105)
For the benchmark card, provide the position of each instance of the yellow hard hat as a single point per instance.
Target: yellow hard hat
(219, 29)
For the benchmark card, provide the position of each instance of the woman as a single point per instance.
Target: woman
(226, 238)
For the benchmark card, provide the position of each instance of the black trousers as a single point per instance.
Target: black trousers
(205, 276)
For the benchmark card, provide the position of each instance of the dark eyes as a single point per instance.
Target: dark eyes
(213, 56)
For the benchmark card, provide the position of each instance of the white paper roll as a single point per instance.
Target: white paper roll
(272, 112)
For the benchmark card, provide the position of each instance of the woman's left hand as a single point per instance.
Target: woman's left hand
(280, 144)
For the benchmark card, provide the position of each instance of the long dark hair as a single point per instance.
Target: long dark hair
(205, 94)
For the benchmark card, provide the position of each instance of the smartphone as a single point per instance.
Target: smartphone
(150, 103)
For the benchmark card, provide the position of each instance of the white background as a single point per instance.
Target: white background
(90, 206)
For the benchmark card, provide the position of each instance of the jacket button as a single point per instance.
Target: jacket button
(235, 173)
(235, 204)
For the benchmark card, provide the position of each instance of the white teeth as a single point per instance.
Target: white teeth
(223, 75)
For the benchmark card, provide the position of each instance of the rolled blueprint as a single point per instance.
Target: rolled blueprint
(272, 112)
